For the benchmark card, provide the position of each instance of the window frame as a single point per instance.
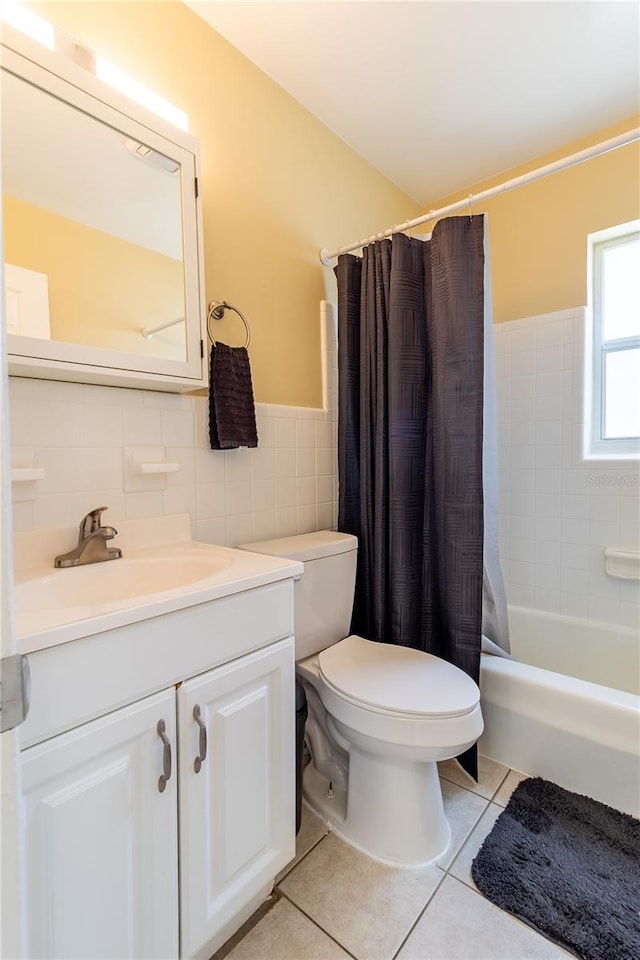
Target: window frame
(596, 445)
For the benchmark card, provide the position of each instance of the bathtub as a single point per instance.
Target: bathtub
(582, 735)
(584, 649)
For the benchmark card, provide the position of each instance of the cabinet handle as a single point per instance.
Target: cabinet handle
(166, 755)
(197, 716)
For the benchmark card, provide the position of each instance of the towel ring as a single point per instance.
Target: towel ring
(215, 311)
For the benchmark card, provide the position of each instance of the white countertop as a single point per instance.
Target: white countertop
(45, 624)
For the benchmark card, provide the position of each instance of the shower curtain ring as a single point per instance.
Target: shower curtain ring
(470, 206)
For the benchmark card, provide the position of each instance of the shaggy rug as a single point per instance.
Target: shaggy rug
(567, 866)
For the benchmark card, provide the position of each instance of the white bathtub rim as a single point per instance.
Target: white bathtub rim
(550, 617)
(574, 705)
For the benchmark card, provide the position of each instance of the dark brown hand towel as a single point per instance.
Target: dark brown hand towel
(232, 415)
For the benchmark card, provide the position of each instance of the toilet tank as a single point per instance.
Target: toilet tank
(323, 597)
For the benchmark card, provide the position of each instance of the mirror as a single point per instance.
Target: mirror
(100, 218)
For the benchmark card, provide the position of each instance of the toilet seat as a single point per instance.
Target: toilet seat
(397, 681)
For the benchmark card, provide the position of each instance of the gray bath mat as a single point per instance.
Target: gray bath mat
(567, 866)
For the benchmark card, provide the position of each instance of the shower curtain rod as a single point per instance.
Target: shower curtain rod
(595, 151)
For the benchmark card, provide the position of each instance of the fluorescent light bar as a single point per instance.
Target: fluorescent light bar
(27, 22)
(121, 81)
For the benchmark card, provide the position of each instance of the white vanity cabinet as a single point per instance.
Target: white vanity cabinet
(117, 867)
(237, 811)
(101, 839)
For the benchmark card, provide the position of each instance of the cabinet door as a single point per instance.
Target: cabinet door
(102, 867)
(237, 814)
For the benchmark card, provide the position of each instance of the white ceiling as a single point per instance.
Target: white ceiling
(441, 95)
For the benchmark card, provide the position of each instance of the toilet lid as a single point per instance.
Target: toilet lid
(395, 679)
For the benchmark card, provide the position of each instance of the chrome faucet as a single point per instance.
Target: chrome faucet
(92, 543)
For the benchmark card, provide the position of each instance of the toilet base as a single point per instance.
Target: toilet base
(392, 810)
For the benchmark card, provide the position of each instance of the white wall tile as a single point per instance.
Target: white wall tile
(239, 530)
(101, 426)
(286, 522)
(263, 496)
(574, 604)
(522, 409)
(307, 518)
(19, 430)
(305, 462)
(186, 458)
(548, 432)
(327, 516)
(546, 576)
(239, 498)
(238, 466)
(142, 427)
(574, 581)
(178, 429)
(285, 432)
(263, 463)
(547, 553)
(266, 432)
(148, 503)
(523, 433)
(212, 531)
(575, 507)
(79, 434)
(548, 481)
(574, 555)
(546, 599)
(521, 363)
(558, 512)
(306, 434)
(180, 499)
(603, 609)
(264, 526)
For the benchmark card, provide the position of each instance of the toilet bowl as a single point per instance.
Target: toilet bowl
(380, 716)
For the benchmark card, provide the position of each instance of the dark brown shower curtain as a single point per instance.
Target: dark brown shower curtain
(410, 359)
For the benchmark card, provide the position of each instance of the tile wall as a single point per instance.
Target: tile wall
(86, 439)
(557, 511)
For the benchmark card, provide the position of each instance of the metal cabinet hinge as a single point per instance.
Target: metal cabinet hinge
(15, 691)
(195, 180)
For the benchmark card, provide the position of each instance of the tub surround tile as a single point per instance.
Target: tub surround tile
(367, 906)
(576, 503)
(459, 924)
(490, 775)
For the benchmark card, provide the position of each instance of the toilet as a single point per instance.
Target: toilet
(380, 716)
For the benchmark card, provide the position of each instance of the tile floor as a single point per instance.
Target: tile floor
(334, 903)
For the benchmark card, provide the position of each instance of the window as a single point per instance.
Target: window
(613, 390)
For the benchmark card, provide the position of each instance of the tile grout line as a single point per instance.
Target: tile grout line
(422, 912)
(316, 924)
(294, 863)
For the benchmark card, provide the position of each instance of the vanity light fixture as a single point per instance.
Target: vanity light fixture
(17, 15)
(126, 84)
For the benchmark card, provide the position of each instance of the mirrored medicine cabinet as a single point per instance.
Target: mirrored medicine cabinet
(102, 230)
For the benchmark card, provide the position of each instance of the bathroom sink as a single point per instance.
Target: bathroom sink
(162, 570)
(114, 581)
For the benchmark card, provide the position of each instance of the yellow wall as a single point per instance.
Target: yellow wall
(95, 294)
(538, 233)
(277, 184)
